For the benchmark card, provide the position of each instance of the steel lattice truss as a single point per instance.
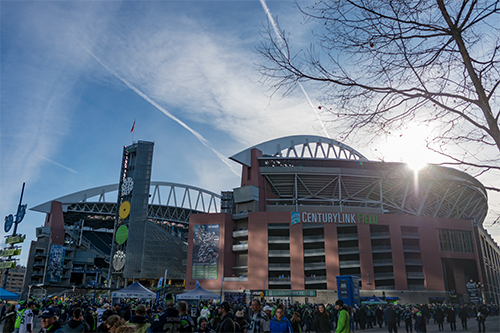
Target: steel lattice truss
(389, 187)
(168, 202)
(302, 146)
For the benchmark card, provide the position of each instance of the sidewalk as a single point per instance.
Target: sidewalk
(492, 325)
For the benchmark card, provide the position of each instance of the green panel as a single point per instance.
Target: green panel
(121, 234)
(11, 252)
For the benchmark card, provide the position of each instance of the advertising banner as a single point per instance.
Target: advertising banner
(55, 264)
(205, 252)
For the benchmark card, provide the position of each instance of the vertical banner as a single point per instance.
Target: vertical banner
(205, 252)
(55, 264)
(164, 286)
(158, 290)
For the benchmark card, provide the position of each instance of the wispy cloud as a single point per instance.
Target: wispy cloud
(55, 163)
(203, 141)
(278, 38)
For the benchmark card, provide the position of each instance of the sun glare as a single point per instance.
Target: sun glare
(410, 148)
(416, 164)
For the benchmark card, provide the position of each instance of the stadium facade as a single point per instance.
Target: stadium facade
(82, 244)
(310, 208)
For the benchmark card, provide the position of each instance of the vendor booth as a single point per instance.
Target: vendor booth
(197, 294)
(8, 295)
(135, 290)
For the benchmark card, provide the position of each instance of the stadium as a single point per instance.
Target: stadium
(77, 247)
(310, 208)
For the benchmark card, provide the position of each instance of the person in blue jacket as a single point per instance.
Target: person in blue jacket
(279, 323)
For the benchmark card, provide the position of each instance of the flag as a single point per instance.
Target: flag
(133, 126)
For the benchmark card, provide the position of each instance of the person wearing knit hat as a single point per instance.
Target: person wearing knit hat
(420, 323)
(202, 326)
(343, 321)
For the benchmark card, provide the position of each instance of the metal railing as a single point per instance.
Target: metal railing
(279, 252)
(413, 262)
(238, 278)
(240, 247)
(279, 265)
(347, 236)
(418, 275)
(383, 234)
(349, 249)
(383, 248)
(411, 248)
(349, 263)
(382, 261)
(279, 279)
(386, 275)
(315, 278)
(240, 233)
(314, 238)
(409, 234)
(278, 238)
(315, 265)
(314, 251)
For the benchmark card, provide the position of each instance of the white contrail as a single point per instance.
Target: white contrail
(276, 31)
(168, 114)
(55, 163)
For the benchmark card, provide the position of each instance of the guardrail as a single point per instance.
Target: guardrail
(354, 249)
(315, 265)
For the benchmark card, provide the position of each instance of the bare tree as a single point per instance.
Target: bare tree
(384, 64)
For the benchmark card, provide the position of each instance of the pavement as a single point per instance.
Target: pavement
(492, 325)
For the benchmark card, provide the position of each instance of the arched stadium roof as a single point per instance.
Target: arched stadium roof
(301, 146)
(171, 202)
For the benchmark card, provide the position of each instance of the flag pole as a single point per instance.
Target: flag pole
(133, 131)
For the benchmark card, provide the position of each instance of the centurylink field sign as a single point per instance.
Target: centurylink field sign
(341, 218)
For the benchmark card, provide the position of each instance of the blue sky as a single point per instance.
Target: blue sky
(66, 111)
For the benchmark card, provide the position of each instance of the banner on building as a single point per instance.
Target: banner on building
(56, 263)
(205, 252)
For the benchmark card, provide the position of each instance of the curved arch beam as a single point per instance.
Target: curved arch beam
(313, 143)
(82, 196)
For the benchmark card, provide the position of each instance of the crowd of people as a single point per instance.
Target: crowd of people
(80, 315)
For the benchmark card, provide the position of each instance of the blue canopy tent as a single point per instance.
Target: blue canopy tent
(5, 294)
(197, 294)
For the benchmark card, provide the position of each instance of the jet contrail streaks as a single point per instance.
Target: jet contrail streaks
(168, 114)
(276, 31)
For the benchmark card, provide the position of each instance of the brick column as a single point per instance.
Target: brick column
(365, 256)
(331, 255)
(297, 257)
(398, 257)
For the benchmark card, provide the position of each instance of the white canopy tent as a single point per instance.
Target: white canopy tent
(135, 290)
(197, 294)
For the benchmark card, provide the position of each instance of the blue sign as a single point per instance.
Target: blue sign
(295, 217)
(348, 289)
(21, 211)
(9, 220)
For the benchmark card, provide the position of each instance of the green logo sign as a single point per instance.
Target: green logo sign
(121, 234)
